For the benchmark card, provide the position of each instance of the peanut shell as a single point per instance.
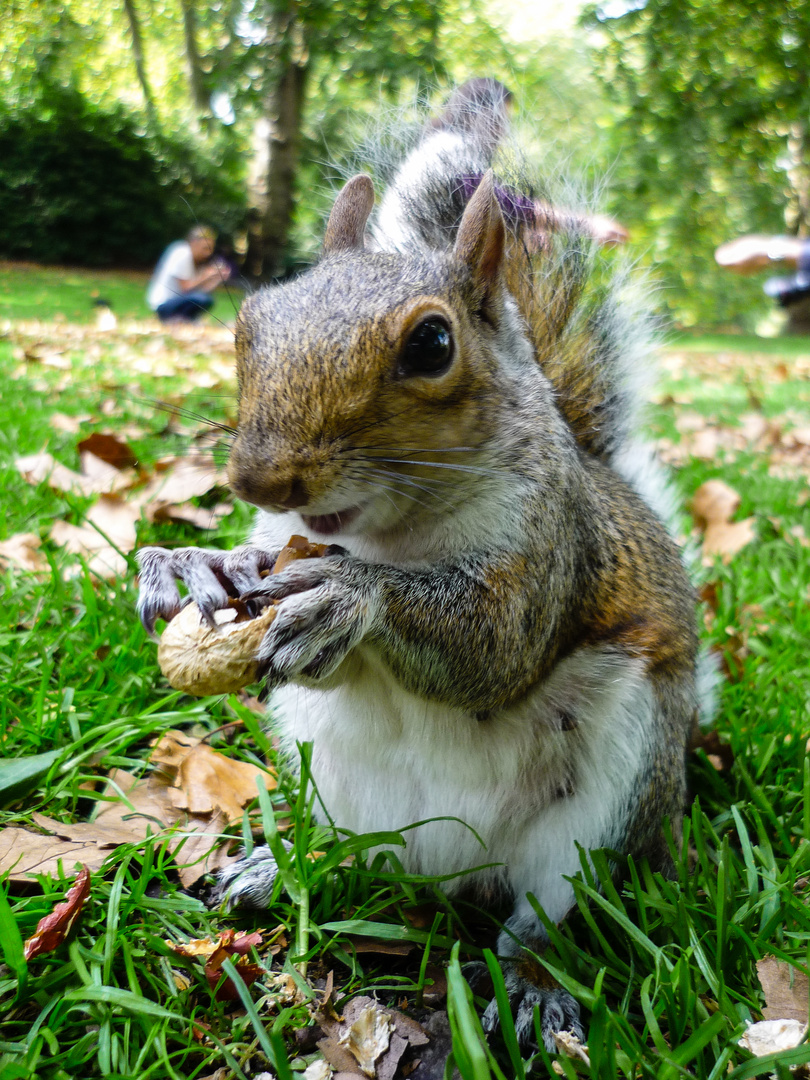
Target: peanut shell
(201, 659)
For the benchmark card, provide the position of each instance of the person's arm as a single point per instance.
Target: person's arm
(750, 254)
(211, 275)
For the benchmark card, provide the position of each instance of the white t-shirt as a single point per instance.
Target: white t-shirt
(176, 265)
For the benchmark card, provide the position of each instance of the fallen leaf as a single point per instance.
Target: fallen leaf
(727, 539)
(353, 1044)
(25, 853)
(109, 449)
(368, 1037)
(319, 1069)
(773, 1036)
(786, 990)
(568, 1043)
(71, 425)
(202, 781)
(380, 946)
(230, 945)
(182, 479)
(103, 561)
(44, 468)
(22, 550)
(52, 930)
(713, 505)
(201, 518)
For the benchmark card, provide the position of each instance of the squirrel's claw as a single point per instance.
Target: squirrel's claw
(211, 577)
(558, 1011)
(326, 607)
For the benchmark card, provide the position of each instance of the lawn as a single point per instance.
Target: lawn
(666, 971)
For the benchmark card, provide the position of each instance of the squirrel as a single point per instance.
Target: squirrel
(502, 636)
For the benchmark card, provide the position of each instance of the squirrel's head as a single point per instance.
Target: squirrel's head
(368, 383)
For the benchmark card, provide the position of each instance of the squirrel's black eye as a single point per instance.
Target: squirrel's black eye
(428, 350)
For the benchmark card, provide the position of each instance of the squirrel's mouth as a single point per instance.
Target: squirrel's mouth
(329, 524)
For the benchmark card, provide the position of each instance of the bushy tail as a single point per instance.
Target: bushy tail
(590, 337)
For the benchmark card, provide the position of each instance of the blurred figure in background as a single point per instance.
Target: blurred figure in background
(186, 276)
(750, 254)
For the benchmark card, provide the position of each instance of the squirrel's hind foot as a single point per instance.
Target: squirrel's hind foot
(559, 1011)
(248, 882)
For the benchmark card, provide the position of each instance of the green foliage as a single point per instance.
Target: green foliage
(711, 138)
(81, 186)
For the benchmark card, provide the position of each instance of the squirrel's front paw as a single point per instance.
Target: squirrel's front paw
(558, 1011)
(326, 607)
(211, 577)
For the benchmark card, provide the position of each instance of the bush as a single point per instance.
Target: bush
(90, 188)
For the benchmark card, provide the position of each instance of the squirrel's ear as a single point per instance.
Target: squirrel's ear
(482, 235)
(347, 222)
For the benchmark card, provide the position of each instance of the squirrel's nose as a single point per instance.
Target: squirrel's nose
(283, 492)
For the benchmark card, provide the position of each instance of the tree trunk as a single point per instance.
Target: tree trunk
(277, 138)
(137, 55)
(196, 80)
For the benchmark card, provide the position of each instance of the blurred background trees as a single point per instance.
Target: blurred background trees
(122, 124)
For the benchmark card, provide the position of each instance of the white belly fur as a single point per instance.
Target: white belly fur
(384, 758)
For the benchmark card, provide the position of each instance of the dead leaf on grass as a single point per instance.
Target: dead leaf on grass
(713, 505)
(108, 448)
(230, 945)
(115, 519)
(52, 930)
(368, 1040)
(71, 425)
(177, 480)
(202, 781)
(786, 990)
(773, 1036)
(195, 791)
(22, 550)
(198, 516)
(44, 468)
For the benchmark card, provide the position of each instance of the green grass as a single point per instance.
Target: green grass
(38, 292)
(665, 970)
(28, 291)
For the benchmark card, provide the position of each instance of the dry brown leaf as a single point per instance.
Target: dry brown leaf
(22, 550)
(379, 946)
(25, 853)
(714, 503)
(44, 468)
(103, 561)
(71, 425)
(568, 1043)
(135, 805)
(52, 930)
(203, 781)
(201, 518)
(786, 990)
(352, 1044)
(727, 539)
(108, 448)
(101, 547)
(231, 945)
(181, 479)
(319, 1069)
(713, 506)
(198, 849)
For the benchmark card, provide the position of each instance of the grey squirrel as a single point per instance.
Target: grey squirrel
(504, 632)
